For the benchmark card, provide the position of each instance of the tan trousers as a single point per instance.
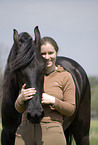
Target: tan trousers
(40, 134)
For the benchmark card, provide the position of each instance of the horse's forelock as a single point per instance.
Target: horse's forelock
(24, 55)
(23, 37)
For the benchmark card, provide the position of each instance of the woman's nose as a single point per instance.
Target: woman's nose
(47, 56)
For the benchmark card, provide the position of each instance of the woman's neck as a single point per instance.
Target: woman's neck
(50, 70)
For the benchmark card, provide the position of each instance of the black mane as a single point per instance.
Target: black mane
(21, 57)
(18, 58)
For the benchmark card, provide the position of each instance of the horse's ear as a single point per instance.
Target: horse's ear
(37, 37)
(16, 38)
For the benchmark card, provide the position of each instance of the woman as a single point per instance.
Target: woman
(58, 100)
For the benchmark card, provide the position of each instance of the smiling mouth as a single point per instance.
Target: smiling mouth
(47, 63)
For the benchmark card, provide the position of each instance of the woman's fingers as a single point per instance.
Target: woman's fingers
(27, 98)
(29, 92)
(23, 87)
(29, 89)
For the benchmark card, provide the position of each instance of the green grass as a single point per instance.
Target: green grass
(93, 133)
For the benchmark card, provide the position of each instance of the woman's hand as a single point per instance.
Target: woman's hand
(48, 99)
(25, 94)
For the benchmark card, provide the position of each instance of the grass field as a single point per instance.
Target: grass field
(93, 133)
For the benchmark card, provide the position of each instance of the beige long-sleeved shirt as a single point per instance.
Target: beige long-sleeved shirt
(59, 84)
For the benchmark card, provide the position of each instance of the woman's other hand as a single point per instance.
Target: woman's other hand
(48, 99)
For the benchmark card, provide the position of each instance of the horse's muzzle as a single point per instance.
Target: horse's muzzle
(34, 110)
(36, 118)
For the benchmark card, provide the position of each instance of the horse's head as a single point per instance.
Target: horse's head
(29, 67)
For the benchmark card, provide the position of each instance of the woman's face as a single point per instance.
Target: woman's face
(49, 54)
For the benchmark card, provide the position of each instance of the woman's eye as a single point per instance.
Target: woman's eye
(50, 53)
(43, 53)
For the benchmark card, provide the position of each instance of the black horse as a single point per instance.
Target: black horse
(24, 65)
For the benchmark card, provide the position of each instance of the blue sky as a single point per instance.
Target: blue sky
(72, 23)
